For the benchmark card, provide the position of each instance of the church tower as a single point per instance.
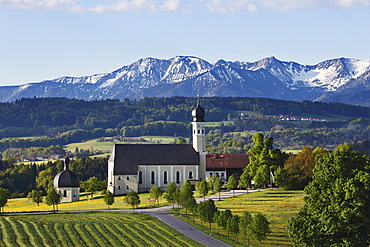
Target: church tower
(199, 137)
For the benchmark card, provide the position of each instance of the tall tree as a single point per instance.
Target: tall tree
(53, 197)
(233, 226)
(92, 184)
(202, 188)
(132, 199)
(186, 192)
(108, 199)
(262, 176)
(337, 203)
(244, 223)
(156, 193)
(170, 193)
(222, 217)
(260, 227)
(207, 211)
(36, 196)
(232, 183)
(3, 199)
(263, 154)
(217, 185)
(299, 168)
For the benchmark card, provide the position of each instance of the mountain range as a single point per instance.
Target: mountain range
(337, 80)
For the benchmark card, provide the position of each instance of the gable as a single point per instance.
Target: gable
(127, 157)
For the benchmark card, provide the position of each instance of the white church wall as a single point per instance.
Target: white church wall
(163, 175)
(69, 194)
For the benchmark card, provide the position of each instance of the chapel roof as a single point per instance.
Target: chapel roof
(127, 157)
(66, 178)
(223, 161)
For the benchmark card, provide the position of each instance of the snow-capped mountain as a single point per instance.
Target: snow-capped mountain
(344, 80)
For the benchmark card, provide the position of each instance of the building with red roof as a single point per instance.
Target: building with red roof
(226, 164)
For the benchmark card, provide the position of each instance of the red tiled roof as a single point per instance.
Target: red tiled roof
(227, 160)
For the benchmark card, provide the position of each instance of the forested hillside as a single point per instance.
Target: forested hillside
(58, 121)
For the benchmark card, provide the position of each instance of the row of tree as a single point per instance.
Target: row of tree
(253, 227)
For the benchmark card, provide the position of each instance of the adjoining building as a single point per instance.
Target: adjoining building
(226, 165)
(68, 184)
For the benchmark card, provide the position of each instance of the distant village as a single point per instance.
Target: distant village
(284, 118)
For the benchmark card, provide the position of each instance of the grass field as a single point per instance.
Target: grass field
(26, 205)
(89, 229)
(278, 206)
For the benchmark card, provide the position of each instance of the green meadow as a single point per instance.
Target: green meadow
(89, 229)
(85, 203)
(278, 206)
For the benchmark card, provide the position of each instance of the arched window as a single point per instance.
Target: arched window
(190, 174)
(64, 193)
(119, 187)
(152, 177)
(127, 177)
(165, 177)
(140, 177)
(119, 177)
(127, 187)
(178, 177)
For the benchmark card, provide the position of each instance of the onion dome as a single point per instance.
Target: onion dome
(198, 113)
(66, 178)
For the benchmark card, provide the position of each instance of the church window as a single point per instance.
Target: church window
(165, 177)
(119, 187)
(198, 131)
(128, 178)
(202, 131)
(128, 187)
(190, 174)
(178, 177)
(64, 193)
(140, 177)
(119, 177)
(152, 177)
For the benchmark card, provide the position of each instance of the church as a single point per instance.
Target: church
(139, 167)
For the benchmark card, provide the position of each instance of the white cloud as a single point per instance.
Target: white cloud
(183, 6)
(40, 4)
(170, 5)
(236, 6)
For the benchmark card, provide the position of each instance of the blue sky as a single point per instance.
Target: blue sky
(46, 39)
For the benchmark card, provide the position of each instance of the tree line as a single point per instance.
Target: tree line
(31, 114)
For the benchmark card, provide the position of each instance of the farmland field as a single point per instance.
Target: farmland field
(89, 229)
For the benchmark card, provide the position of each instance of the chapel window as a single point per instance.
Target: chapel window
(127, 187)
(165, 177)
(128, 178)
(152, 177)
(140, 177)
(119, 187)
(119, 177)
(190, 174)
(178, 177)
(64, 193)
